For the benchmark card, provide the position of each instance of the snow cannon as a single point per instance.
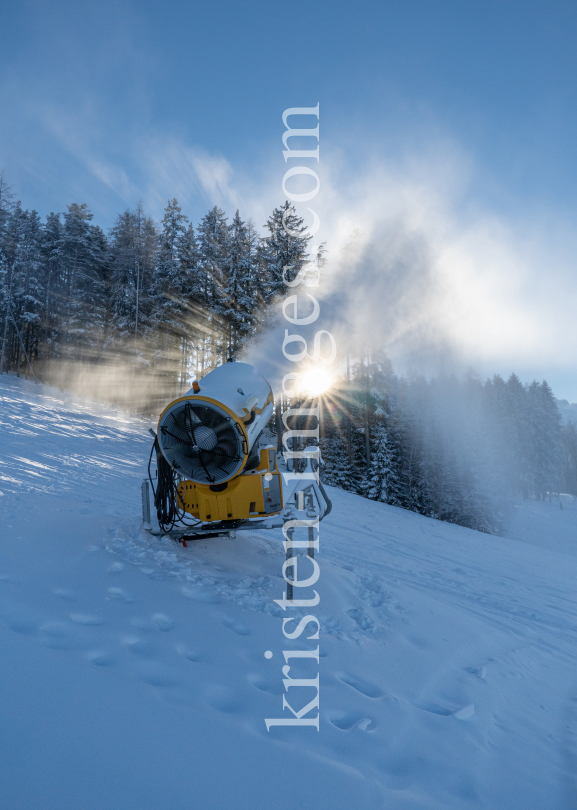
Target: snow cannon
(214, 473)
(210, 463)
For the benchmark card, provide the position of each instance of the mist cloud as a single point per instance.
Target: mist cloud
(419, 268)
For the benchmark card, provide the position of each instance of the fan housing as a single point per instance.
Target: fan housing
(202, 440)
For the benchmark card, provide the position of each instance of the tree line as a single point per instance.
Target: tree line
(457, 450)
(169, 300)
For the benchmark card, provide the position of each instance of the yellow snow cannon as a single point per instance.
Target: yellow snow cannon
(210, 462)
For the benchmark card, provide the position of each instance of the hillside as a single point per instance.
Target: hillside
(134, 674)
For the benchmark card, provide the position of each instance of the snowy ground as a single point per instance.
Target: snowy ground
(133, 673)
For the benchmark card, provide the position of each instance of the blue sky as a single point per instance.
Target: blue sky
(470, 106)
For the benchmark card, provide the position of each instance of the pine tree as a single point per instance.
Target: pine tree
(440, 472)
(15, 224)
(171, 289)
(283, 250)
(336, 470)
(82, 282)
(568, 459)
(413, 492)
(543, 439)
(382, 479)
(5, 207)
(516, 418)
(213, 244)
(27, 292)
(495, 399)
(239, 292)
(96, 293)
(133, 247)
(193, 294)
(53, 305)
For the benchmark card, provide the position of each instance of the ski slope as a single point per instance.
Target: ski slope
(133, 674)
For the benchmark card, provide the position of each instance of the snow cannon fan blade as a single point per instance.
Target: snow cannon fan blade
(207, 435)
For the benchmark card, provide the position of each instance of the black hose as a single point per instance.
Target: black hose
(165, 495)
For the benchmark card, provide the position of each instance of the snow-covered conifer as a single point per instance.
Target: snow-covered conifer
(285, 246)
(27, 291)
(238, 291)
(382, 482)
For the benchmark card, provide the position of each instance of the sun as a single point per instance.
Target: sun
(316, 382)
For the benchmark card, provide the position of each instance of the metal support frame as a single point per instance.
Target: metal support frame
(306, 495)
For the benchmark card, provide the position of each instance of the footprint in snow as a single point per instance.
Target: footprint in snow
(86, 619)
(119, 595)
(435, 708)
(115, 568)
(273, 686)
(162, 622)
(22, 622)
(400, 771)
(364, 687)
(140, 648)
(156, 674)
(223, 699)
(144, 625)
(350, 720)
(461, 714)
(480, 671)
(361, 619)
(101, 658)
(465, 712)
(57, 636)
(237, 627)
(418, 642)
(201, 595)
(65, 593)
(188, 652)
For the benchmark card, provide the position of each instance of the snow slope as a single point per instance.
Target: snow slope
(133, 672)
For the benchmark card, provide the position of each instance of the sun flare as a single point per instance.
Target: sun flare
(316, 382)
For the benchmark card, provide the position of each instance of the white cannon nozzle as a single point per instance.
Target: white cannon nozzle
(207, 435)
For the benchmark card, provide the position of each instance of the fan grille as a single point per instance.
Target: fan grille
(201, 442)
